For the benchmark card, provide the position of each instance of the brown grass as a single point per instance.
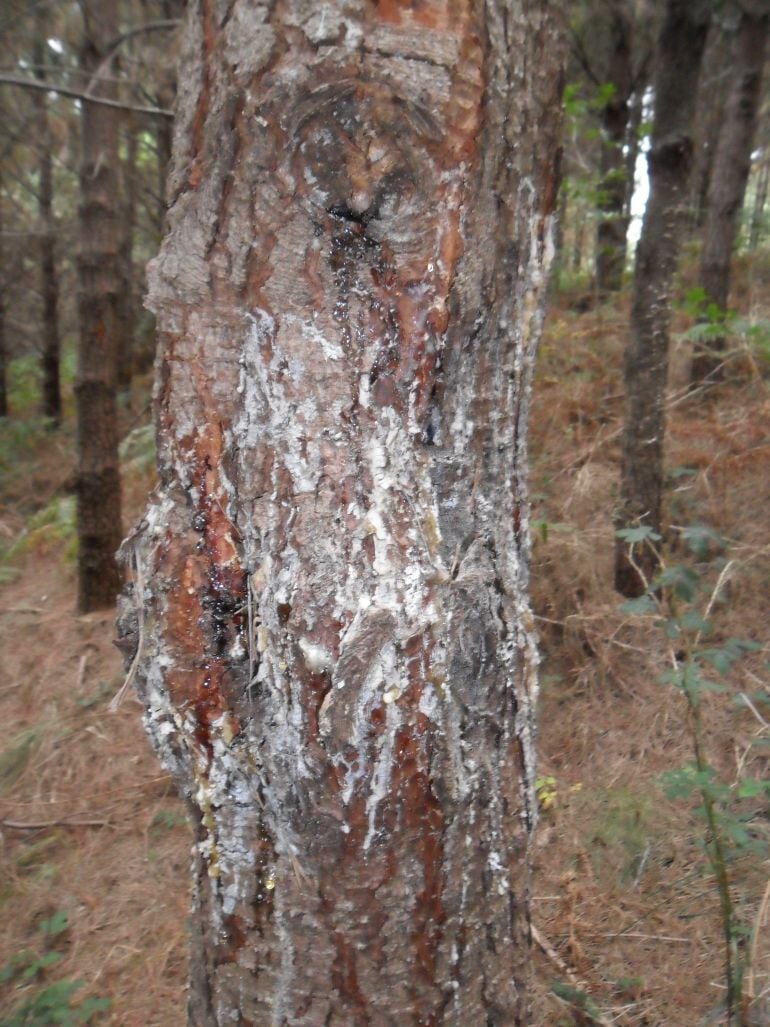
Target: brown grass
(89, 824)
(624, 903)
(623, 893)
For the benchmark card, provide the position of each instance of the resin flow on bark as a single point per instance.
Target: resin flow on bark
(338, 662)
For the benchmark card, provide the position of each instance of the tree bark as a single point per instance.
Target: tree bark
(612, 227)
(97, 477)
(49, 285)
(730, 173)
(164, 129)
(126, 308)
(3, 339)
(680, 50)
(336, 657)
(709, 115)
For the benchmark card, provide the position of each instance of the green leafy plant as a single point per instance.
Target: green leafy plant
(166, 819)
(585, 1009)
(713, 325)
(682, 599)
(53, 1003)
(542, 529)
(547, 792)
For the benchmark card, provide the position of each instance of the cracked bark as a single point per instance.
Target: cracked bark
(337, 659)
(680, 50)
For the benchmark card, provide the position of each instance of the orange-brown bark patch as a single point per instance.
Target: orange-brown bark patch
(423, 817)
(210, 703)
(430, 14)
(345, 979)
(202, 107)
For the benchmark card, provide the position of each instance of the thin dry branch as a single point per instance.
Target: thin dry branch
(548, 950)
(75, 94)
(39, 825)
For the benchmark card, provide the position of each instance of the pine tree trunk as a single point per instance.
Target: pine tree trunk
(612, 227)
(337, 658)
(126, 309)
(730, 173)
(49, 286)
(760, 201)
(164, 128)
(709, 115)
(680, 50)
(3, 339)
(98, 479)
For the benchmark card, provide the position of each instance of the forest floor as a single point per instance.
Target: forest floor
(94, 848)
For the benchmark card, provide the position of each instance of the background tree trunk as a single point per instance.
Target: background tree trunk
(49, 286)
(730, 173)
(164, 128)
(337, 659)
(612, 227)
(98, 479)
(760, 200)
(680, 50)
(127, 307)
(714, 86)
(3, 340)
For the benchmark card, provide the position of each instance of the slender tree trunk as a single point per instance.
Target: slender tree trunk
(98, 478)
(3, 339)
(577, 246)
(49, 286)
(612, 227)
(680, 50)
(558, 240)
(760, 201)
(709, 116)
(337, 659)
(127, 313)
(727, 188)
(164, 128)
